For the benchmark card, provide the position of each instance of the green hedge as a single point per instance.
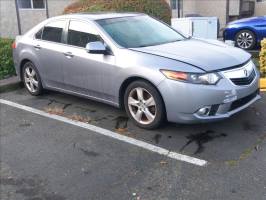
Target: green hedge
(6, 61)
(157, 8)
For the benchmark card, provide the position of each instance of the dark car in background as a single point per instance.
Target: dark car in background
(246, 33)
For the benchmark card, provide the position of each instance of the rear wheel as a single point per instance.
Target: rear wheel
(31, 79)
(144, 105)
(245, 39)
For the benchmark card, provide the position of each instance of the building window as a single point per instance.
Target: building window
(261, 0)
(31, 4)
(177, 7)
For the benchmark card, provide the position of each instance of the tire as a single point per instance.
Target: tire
(32, 79)
(245, 39)
(148, 111)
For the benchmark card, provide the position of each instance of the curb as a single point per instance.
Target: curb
(10, 84)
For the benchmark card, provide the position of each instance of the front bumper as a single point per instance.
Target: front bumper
(183, 100)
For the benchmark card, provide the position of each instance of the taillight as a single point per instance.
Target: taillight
(14, 45)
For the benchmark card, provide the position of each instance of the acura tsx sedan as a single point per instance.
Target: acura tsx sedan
(135, 62)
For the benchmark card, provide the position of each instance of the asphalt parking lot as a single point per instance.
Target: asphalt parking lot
(46, 159)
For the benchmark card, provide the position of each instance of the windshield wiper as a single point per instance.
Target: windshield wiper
(144, 46)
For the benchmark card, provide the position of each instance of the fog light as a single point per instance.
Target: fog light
(204, 111)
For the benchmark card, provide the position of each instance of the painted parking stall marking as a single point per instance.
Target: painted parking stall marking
(102, 131)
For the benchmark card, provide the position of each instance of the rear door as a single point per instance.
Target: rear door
(49, 47)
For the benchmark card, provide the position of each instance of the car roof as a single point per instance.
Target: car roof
(101, 15)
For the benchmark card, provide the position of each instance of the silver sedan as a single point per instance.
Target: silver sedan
(135, 62)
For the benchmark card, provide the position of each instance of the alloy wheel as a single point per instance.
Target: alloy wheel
(245, 40)
(31, 79)
(142, 105)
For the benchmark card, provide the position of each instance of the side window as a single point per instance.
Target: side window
(53, 31)
(80, 34)
(38, 35)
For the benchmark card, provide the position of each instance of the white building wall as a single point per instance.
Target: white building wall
(28, 17)
(212, 8)
(8, 19)
(260, 8)
(234, 7)
(189, 7)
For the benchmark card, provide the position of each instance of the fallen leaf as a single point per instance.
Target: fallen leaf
(163, 162)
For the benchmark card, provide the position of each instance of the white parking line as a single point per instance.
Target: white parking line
(102, 131)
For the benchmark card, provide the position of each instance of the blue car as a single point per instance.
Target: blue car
(247, 33)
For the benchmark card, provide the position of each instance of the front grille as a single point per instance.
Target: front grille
(244, 81)
(241, 102)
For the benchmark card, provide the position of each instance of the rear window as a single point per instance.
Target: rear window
(38, 35)
(53, 31)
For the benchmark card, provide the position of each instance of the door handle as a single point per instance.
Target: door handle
(68, 54)
(37, 47)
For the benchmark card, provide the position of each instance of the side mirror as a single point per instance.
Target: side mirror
(96, 48)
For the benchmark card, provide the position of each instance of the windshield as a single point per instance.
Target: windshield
(139, 31)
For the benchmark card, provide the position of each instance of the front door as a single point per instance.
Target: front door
(83, 72)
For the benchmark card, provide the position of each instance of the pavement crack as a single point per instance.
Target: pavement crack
(121, 123)
(88, 153)
(56, 109)
(157, 138)
(247, 152)
(67, 105)
(52, 101)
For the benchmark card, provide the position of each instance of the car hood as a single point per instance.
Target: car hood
(250, 19)
(208, 55)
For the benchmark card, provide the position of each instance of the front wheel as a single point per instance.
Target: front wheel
(245, 39)
(31, 79)
(144, 105)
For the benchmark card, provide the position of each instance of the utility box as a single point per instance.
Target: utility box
(199, 27)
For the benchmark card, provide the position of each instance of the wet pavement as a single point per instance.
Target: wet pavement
(36, 153)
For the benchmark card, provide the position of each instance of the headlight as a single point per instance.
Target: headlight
(196, 78)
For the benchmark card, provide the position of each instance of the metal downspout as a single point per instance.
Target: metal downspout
(18, 17)
(47, 9)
